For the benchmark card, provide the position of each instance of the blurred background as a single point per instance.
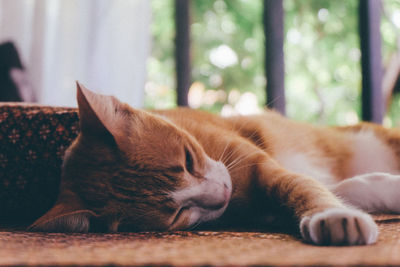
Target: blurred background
(126, 48)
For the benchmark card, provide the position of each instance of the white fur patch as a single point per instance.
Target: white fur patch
(339, 226)
(371, 155)
(301, 163)
(372, 192)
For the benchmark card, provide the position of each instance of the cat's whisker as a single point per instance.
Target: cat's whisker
(234, 163)
(257, 141)
(221, 159)
(250, 165)
(232, 152)
(237, 159)
(240, 159)
(239, 129)
(273, 100)
(223, 152)
(229, 166)
(228, 156)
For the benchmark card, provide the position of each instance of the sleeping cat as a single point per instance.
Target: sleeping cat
(175, 169)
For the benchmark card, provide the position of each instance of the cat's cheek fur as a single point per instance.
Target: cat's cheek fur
(339, 226)
(210, 216)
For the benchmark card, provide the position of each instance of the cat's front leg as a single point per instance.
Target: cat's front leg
(323, 218)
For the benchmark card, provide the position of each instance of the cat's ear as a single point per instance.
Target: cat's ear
(101, 114)
(67, 215)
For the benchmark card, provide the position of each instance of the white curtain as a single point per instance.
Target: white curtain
(103, 44)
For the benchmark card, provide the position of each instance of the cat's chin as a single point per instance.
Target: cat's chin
(200, 216)
(213, 215)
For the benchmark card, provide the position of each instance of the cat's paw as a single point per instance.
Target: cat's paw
(339, 226)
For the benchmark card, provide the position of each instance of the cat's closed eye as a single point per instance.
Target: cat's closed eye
(189, 164)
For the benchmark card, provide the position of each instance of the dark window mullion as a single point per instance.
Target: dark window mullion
(274, 58)
(182, 51)
(371, 60)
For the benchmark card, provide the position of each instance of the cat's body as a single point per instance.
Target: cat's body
(346, 160)
(167, 170)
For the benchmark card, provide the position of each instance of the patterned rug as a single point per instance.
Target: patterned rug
(193, 249)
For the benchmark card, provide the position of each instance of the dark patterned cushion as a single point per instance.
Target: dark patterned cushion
(33, 140)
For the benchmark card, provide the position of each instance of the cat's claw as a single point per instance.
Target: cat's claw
(339, 226)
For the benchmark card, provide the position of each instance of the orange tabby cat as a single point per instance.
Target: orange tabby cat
(174, 169)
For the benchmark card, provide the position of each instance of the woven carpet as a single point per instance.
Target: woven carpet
(194, 249)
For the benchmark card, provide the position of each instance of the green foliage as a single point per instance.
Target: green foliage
(322, 61)
(159, 89)
(322, 57)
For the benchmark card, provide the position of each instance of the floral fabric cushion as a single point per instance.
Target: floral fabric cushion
(33, 140)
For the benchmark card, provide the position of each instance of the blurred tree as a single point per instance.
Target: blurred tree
(322, 58)
(322, 61)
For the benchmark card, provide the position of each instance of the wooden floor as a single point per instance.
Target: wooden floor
(194, 249)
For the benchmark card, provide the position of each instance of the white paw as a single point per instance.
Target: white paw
(339, 226)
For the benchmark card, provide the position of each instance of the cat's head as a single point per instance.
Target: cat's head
(132, 170)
